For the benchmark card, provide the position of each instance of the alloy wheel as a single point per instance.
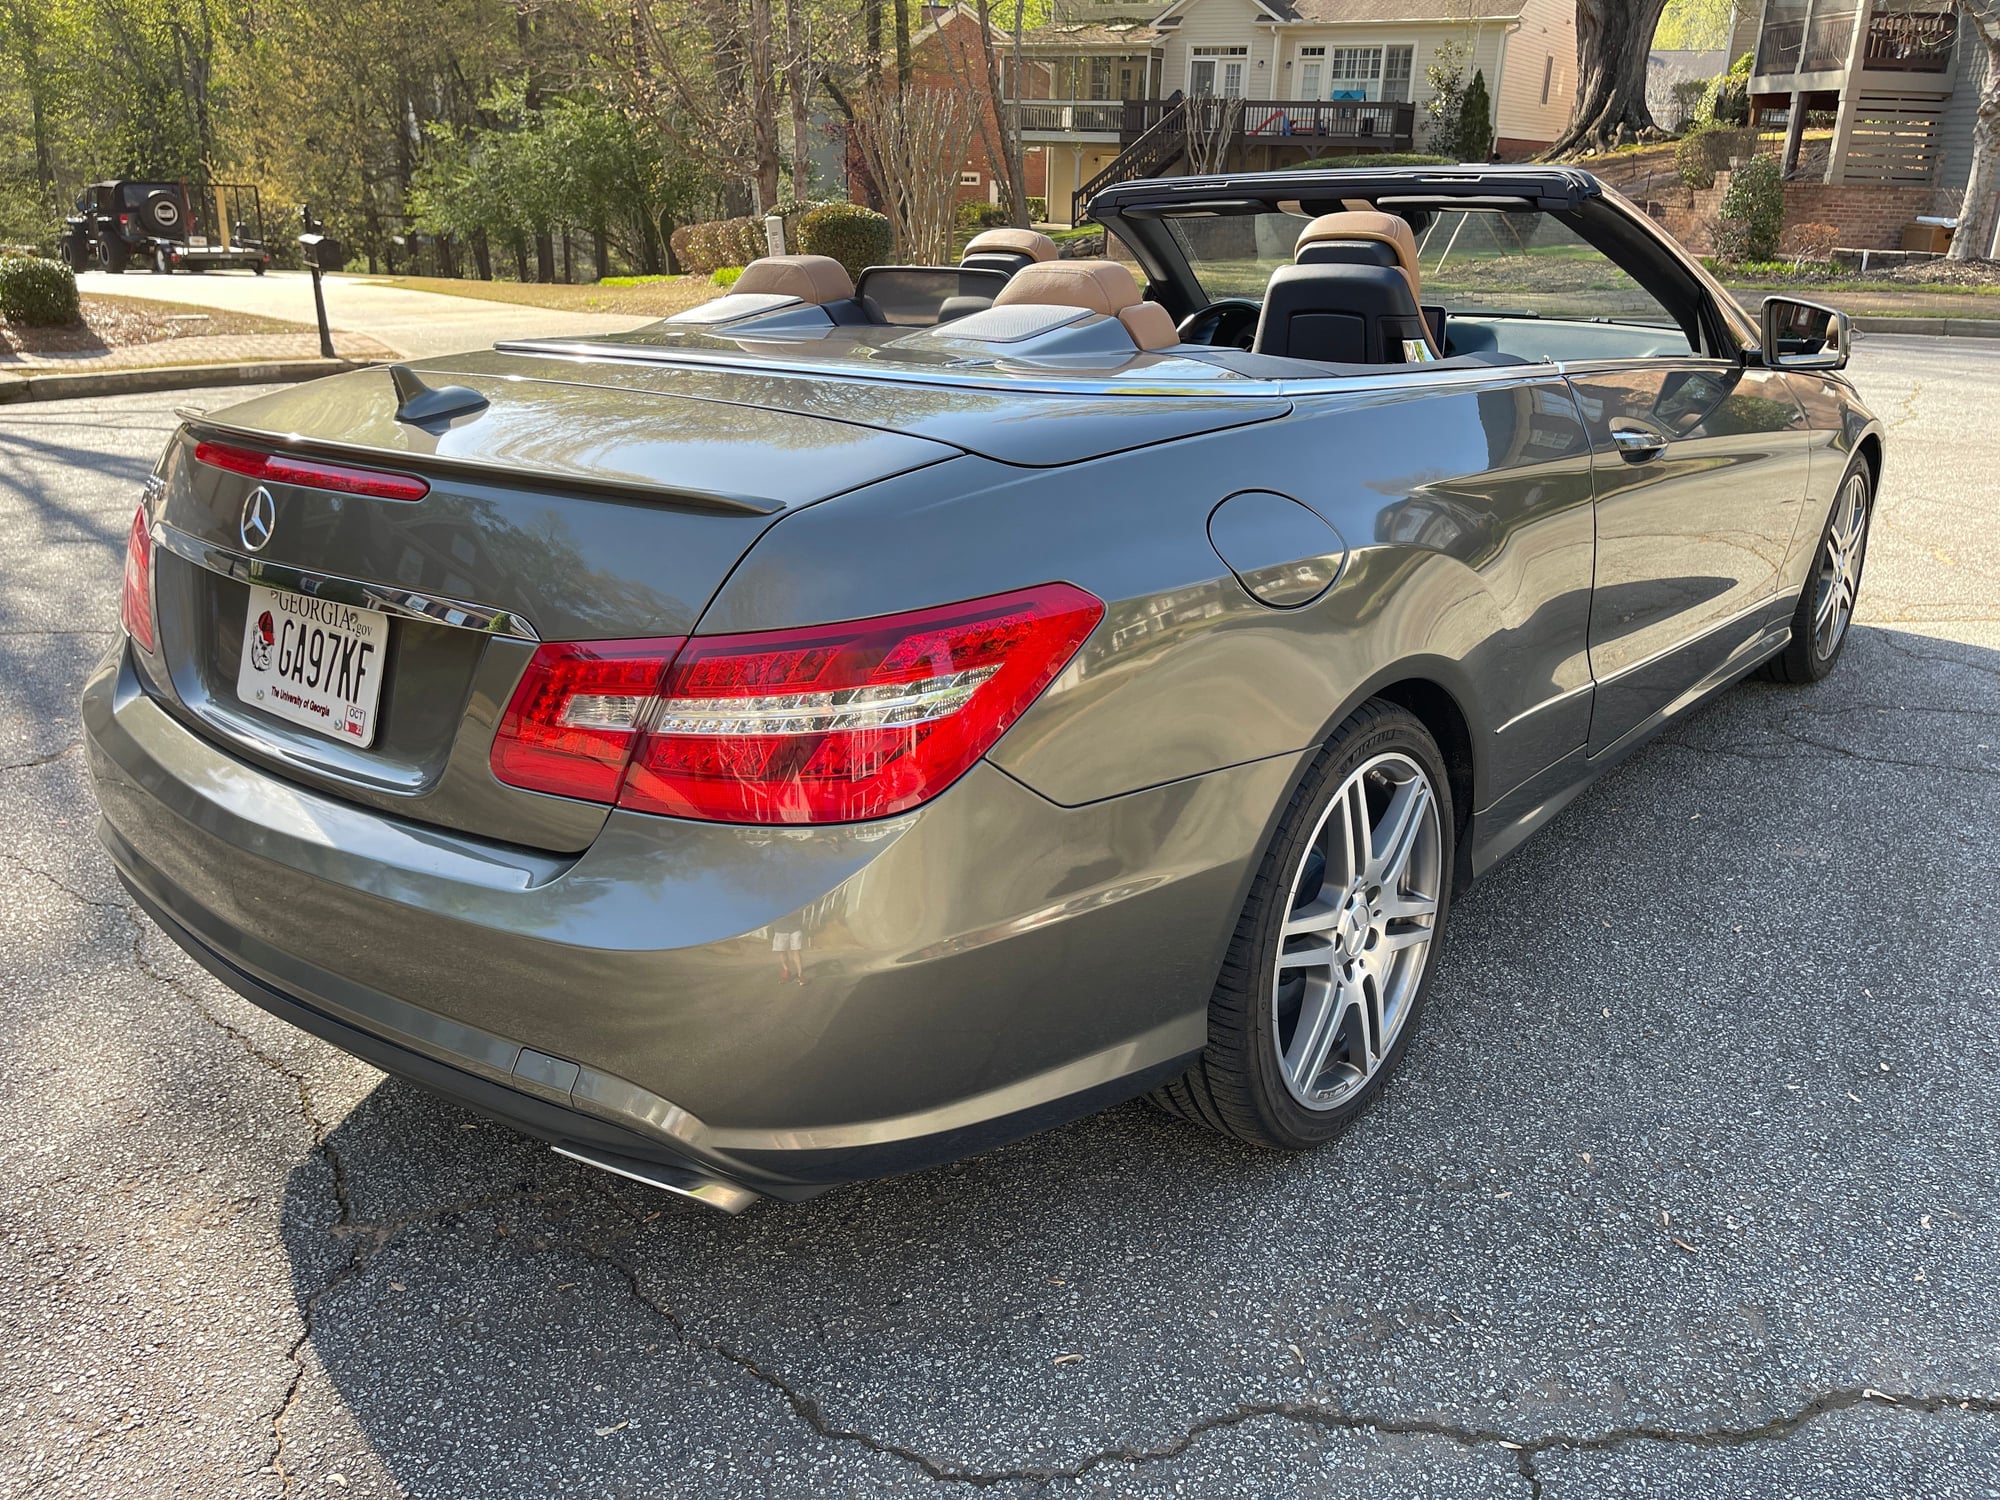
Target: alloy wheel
(1839, 574)
(1362, 914)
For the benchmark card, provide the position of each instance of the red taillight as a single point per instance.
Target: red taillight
(829, 724)
(135, 605)
(572, 722)
(279, 468)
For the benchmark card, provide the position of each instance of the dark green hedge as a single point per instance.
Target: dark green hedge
(38, 293)
(857, 237)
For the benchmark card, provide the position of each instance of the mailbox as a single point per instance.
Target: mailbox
(322, 252)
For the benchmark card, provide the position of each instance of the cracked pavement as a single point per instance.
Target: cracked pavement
(1689, 1186)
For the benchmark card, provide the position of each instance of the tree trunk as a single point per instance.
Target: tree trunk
(902, 45)
(600, 253)
(1973, 239)
(482, 255)
(1613, 40)
(798, 83)
(763, 107)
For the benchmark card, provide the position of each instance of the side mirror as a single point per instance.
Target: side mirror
(1804, 335)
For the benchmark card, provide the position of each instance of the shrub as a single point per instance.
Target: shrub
(681, 243)
(1726, 101)
(1753, 211)
(791, 210)
(1381, 159)
(1687, 95)
(975, 215)
(1809, 242)
(702, 249)
(726, 276)
(857, 237)
(1038, 210)
(1707, 149)
(1694, 158)
(38, 293)
(1475, 122)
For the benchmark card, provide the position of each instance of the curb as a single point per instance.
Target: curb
(58, 386)
(1951, 328)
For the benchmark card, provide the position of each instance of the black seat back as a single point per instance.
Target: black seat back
(1006, 262)
(1347, 253)
(1334, 309)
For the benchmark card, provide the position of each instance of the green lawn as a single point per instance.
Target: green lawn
(650, 296)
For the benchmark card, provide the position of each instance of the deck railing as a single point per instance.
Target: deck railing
(1391, 127)
(1909, 41)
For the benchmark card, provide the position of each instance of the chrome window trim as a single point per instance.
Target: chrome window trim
(408, 604)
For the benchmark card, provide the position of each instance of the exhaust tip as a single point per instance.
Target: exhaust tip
(682, 1182)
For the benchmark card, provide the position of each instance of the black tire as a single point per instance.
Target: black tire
(1808, 657)
(162, 213)
(1237, 1086)
(258, 268)
(160, 265)
(113, 261)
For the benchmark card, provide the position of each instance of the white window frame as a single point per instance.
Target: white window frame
(1312, 73)
(1368, 69)
(1402, 82)
(968, 179)
(1226, 67)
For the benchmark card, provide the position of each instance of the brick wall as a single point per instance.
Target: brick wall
(1867, 216)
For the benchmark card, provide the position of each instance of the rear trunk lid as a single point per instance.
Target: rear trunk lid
(558, 511)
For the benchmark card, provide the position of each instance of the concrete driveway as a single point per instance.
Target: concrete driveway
(1689, 1188)
(414, 324)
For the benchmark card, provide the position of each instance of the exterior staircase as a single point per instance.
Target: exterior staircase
(1155, 149)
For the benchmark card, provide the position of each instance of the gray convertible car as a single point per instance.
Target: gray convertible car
(853, 723)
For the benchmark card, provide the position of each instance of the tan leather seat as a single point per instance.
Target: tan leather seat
(1099, 286)
(1366, 226)
(810, 278)
(1037, 246)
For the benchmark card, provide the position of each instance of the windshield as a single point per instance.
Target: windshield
(1470, 260)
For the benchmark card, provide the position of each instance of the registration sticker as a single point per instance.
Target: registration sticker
(314, 662)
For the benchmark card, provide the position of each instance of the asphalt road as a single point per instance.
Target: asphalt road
(1689, 1188)
(414, 324)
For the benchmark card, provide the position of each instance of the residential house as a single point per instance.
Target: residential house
(1901, 84)
(1115, 89)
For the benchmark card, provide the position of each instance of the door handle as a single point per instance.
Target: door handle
(1637, 444)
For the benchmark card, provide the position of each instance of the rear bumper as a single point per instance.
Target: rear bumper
(782, 1008)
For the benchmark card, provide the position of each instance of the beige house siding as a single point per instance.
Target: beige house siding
(1542, 47)
(1222, 23)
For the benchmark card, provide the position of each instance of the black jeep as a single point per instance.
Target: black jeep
(164, 226)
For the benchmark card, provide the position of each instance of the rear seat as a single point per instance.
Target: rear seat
(1007, 250)
(1099, 286)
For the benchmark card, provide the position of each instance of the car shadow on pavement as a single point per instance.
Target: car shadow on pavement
(1665, 1157)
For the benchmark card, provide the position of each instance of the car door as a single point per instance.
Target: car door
(1699, 466)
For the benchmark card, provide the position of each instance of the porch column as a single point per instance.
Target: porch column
(1850, 94)
(1795, 130)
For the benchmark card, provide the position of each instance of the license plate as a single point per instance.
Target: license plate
(314, 662)
(197, 242)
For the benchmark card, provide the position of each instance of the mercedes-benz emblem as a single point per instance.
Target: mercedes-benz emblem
(260, 518)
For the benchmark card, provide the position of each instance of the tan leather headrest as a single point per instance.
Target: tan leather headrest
(810, 278)
(1151, 325)
(1099, 286)
(1031, 243)
(1367, 224)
